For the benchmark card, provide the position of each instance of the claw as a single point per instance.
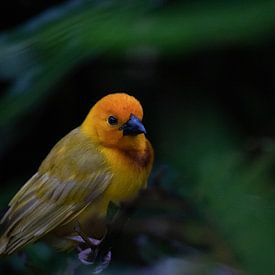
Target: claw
(86, 257)
(90, 252)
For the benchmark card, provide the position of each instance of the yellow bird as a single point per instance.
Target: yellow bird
(106, 159)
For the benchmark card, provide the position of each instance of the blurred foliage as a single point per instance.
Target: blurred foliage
(210, 208)
(40, 52)
(234, 193)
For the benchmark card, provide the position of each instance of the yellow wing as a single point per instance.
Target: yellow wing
(69, 179)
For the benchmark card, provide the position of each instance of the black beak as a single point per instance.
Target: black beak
(133, 127)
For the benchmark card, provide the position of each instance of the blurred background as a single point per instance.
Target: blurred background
(204, 73)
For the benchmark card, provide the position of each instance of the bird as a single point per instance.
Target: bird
(106, 160)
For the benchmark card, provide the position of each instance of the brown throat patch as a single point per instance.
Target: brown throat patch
(141, 159)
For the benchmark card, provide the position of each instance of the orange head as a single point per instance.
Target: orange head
(115, 121)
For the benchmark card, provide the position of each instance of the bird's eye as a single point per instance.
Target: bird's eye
(112, 120)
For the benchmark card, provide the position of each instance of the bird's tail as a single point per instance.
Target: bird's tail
(4, 240)
(3, 244)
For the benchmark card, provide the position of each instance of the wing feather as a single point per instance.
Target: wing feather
(70, 178)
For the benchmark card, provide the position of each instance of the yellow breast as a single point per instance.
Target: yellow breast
(128, 176)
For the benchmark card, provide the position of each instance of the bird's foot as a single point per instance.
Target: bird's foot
(94, 257)
(90, 253)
